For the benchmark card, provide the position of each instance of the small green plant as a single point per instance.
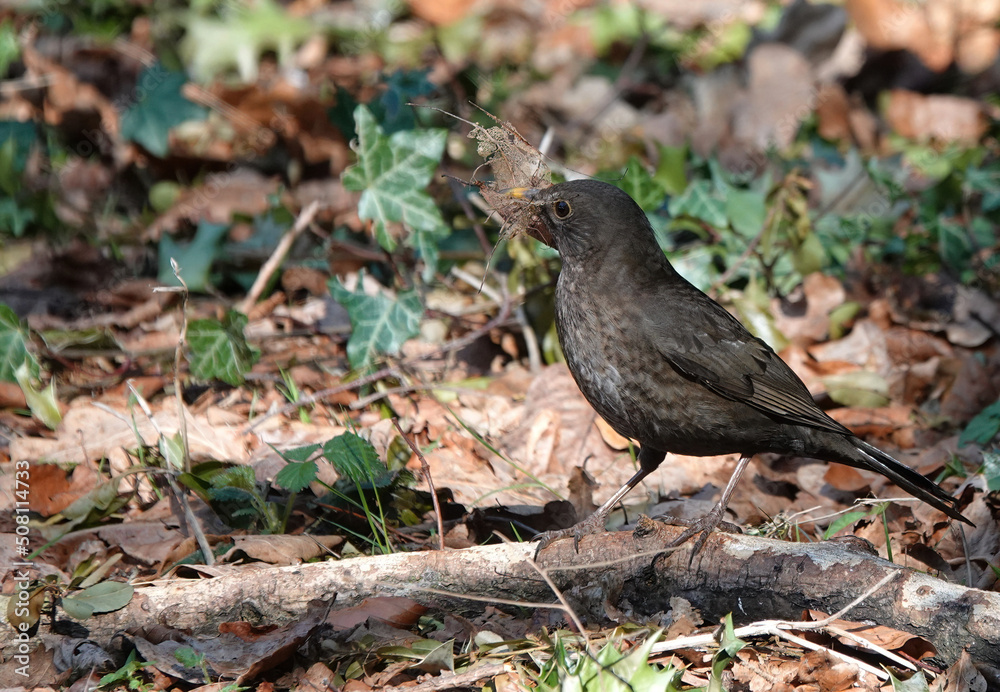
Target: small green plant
(363, 497)
(233, 493)
(291, 392)
(572, 668)
(131, 675)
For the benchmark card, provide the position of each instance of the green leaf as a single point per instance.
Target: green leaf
(241, 36)
(296, 475)
(188, 657)
(172, 449)
(354, 457)
(219, 350)
(670, 171)
(159, 106)
(915, 683)
(809, 256)
(701, 202)
(983, 428)
(43, 403)
(428, 655)
(379, 324)
(842, 522)
(746, 211)
(991, 470)
(641, 186)
(14, 217)
(391, 175)
(105, 597)
(10, 49)
(954, 245)
(14, 346)
(300, 453)
(401, 87)
(194, 259)
(18, 138)
(859, 388)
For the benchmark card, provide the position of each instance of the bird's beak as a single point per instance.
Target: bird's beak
(537, 229)
(526, 193)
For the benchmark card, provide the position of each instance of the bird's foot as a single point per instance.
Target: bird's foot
(704, 527)
(591, 525)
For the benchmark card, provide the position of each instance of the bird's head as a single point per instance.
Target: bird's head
(588, 217)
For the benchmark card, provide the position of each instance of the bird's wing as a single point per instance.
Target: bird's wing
(720, 354)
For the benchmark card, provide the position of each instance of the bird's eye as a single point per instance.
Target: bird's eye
(562, 209)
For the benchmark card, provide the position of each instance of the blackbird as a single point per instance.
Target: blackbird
(667, 366)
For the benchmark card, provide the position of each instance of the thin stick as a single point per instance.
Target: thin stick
(779, 628)
(189, 516)
(278, 256)
(425, 469)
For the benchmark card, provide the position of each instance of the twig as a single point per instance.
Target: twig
(189, 516)
(278, 256)
(478, 284)
(463, 201)
(779, 628)
(178, 355)
(530, 339)
(425, 469)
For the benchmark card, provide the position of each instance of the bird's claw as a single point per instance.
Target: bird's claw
(591, 525)
(704, 526)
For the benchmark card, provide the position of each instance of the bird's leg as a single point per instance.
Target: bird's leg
(649, 460)
(710, 521)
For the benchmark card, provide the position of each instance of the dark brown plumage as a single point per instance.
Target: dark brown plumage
(666, 365)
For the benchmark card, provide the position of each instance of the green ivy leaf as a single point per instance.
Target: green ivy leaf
(219, 350)
(991, 470)
(14, 346)
(641, 186)
(701, 202)
(983, 428)
(159, 106)
(379, 323)
(391, 175)
(746, 211)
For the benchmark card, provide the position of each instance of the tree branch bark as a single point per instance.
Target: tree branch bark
(753, 578)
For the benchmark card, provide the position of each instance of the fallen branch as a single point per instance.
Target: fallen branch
(753, 578)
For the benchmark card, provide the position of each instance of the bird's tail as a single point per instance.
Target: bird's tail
(909, 480)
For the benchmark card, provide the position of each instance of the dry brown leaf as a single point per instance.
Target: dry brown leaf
(243, 191)
(53, 489)
(936, 117)
(820, 294)
(846, 478)
(879, 635)
(780, 95)
(284, 550)
(897, 24)
(515, 163)
(440, 12)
